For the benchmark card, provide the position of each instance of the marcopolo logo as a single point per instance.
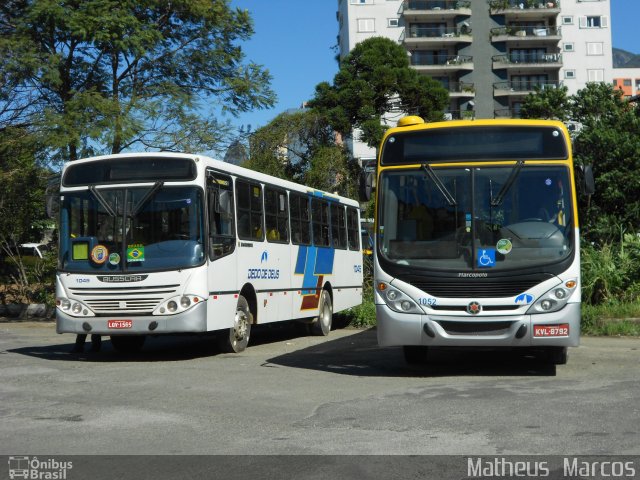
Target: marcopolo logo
(38, 469)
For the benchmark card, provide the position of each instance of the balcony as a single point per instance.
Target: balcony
(461, 89)
(437, 64)
(507, 113)
(527, 62)
(522, 88)
(430, 9)
(459, 115)
(526, 35)
(437, 37)
(525, 9)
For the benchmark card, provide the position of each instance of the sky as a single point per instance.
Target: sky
(294, 38)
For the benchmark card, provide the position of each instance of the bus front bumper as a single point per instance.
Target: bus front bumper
(395, 329)
(193, 320)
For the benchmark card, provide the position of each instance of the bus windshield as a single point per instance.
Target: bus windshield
(131, 229)
(472, 218)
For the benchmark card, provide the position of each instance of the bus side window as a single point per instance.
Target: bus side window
(353, 229)
(300, 219)
(320, 222)
(250, 223)
(276, 215)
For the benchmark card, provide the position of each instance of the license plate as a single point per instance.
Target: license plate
(551, 330)
(119, 324)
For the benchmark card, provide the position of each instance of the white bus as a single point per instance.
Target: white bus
(159, 243)
(477, 240)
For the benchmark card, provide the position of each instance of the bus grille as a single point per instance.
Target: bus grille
(461, 288)
(136, 300)
(475, 328)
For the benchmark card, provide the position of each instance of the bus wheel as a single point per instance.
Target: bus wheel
(415, 354)
(322, 324)
(128, 343)
(557, 355)
(238, 337)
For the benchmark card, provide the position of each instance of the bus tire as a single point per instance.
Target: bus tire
(557, 355)
(128, 343)
(322, 324)
(237, 337)
(415, 354)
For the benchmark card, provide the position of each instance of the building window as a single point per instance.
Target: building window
(392, 22)
(626, 82)
(595, 48)
(595, 75)
(366, 25)
(594, 21)
(568, 47)
(568, 20)
(569, 74)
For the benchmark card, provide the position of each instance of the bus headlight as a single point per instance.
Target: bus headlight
(397, 300)
(63, 303)
(555, 299)
(74, 307)
(177, 304)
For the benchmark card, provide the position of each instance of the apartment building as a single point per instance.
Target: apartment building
(627, 80)
(489, 54)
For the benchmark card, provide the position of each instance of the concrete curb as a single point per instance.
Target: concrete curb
(26, 312)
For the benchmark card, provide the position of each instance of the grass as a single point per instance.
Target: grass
(611, 319)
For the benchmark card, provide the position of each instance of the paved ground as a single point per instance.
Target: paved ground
(289, 394)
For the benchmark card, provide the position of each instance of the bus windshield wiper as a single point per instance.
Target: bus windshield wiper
(102, 201)
(441, 186)
(143, 201)
(507, 185)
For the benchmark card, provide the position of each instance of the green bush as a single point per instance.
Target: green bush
(611, 271)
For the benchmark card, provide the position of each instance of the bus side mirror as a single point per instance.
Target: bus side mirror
(367, 185)
(588, 180)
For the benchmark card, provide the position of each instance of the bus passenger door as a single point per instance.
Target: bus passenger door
(222, 271)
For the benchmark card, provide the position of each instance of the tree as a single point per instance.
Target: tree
(375, 78)
(22, 213)
(104, 75)
(608, 140)
(301, 146)
(548, 103)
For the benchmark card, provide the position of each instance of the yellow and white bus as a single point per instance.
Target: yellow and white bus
(157, 243)
(476, 237)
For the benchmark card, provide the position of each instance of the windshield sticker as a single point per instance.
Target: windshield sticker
(504, 246)
(135, 253)
(114, 258)
(524, 299)
(99, 254)
(486, 257)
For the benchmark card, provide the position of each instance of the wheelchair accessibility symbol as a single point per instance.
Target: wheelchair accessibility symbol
(486, 257)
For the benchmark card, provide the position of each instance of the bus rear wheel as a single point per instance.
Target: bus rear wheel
(128, 343)
(415, 354)
(238, 337)
(322, 325)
